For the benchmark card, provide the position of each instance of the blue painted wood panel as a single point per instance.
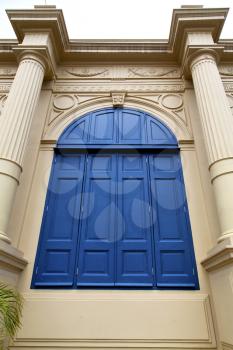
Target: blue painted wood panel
(117, 127)
(134, 236)
(116, 218)
(55, 260)
(97, 231)
(174, 258)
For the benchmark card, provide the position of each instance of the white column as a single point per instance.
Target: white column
(15, 125)
(217, 124)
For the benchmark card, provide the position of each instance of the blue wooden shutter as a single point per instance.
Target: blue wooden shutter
(97, 237)
(56, 254)
(173, 243)
(134, 239)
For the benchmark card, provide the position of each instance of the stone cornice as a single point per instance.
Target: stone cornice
(49, 19)
(209, 20)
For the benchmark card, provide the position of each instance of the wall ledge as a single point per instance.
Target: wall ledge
(11, 259)
(221, 255)
(227, 346)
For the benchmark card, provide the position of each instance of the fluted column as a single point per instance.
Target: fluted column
(15, 125)
(217, 125)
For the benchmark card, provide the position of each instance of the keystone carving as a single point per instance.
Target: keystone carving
(118, 98)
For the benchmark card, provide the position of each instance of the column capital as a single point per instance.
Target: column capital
(37, 54)
(41, 30)
(195, 55)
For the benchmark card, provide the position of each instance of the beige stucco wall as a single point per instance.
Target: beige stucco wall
(180, 319)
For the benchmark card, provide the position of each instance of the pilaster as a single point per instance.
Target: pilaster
(37, 56)
(216, 120)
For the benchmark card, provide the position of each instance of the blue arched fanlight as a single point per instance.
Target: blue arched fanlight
(115, 128)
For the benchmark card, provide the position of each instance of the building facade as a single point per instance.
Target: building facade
(116, 183)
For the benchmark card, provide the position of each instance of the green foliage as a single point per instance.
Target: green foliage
(11, 304)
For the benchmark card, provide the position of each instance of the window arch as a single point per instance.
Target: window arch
(116, 213)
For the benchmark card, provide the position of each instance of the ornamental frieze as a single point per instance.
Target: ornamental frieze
(154, 72)
(228, 87)
(5, 87)
(8, 72)
(118, 72)
(226, 70)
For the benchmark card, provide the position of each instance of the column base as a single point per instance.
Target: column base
(220, 255)
(12, 263)
(219, 264)
(227, 346)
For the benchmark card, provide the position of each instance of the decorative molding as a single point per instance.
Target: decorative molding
(155, 72)
(3, 98)
(141, 342)
(228, 87)
(70, 87)
(63, 102)
(86, 72)
(8, 71)
(48, 145)
(219, 256)
(5, 87)
(186, 145)
(230, 100)
(118, 72)
(60, 104)
(118, 98)
(11, 258)
(226, 70)
(227, 346)
(172, 101)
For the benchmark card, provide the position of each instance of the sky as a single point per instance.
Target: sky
(115, 19)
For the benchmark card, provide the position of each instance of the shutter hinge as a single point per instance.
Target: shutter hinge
(36, 270)
(149, 209)
(193, 272)
(152, 270)
(185, 210)
(47, 208)
(77, 271)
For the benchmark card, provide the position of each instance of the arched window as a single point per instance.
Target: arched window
(116, 213)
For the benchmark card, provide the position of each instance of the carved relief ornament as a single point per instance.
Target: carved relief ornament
(118, 98)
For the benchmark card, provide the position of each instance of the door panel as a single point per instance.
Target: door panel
(97, 235)
(116, 219)
(174, 260)
(56, 259)
(134, 243)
